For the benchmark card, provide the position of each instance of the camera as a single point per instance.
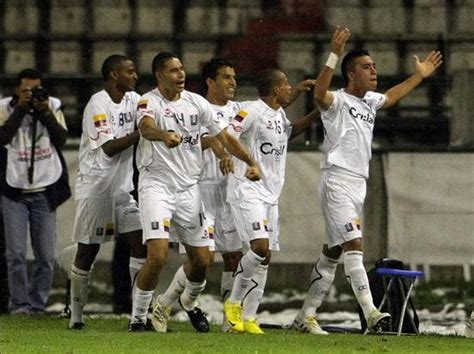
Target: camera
(39, 93)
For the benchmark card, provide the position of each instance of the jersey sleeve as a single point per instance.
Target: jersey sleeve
(144, 108)
(240, 124)
(334, 107)
(97, 124)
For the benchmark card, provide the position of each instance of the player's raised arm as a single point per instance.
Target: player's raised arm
(303, 86)
(322, 95)
(150, 131)
(423, 70)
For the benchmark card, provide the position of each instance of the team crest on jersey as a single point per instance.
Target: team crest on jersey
(269, 124)
(100, 120)
(142, 104)
(99, 231)
(155, 225)
(241, 116)
(256, 226)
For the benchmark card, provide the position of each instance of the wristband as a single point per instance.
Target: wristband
(332, 61)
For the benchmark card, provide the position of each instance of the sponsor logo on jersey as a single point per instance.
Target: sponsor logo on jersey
(241, 116)
(191, 140)
(256, 226)
(100, 120)
(270, 149)
(142, 104)
(369, 118)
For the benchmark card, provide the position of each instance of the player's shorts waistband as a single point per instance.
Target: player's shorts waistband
(342, 173)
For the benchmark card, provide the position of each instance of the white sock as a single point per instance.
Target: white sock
(355, 273)
(175, 289)
(134, 267)
(79, 291)
(141, 303)
(243, 276)
(255, 294)
(322, 277)
(227, 280)
(192, 289)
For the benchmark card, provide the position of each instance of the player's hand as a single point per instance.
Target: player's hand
(432, 62)
(253, 173)
(172, 139)
(306, 85)
(339, 39)
(226, 165)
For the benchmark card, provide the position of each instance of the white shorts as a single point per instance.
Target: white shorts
(183, 212)
(255, 219)
(342, 199)
(100, 220)
(219, 218)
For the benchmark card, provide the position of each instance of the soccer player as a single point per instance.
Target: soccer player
(220, 79)
(264, 129)
(348, 116)
(105, 207)
(171, 121)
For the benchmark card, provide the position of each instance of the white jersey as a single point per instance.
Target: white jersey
(211, 173)
(180, 166)
(348, 130)
(265, 133)
(100, 175)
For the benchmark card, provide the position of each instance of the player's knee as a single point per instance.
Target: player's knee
(260, 247)
(231, 260)
(353, 245)
(200, 264)
(86, 255)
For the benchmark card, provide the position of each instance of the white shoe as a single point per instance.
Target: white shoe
(308, 325)
(377, 320)
(160, 316)
(469, 331)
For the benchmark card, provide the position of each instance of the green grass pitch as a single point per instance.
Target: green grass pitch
(47, 334)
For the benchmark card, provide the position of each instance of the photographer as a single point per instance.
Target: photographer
(33, 185)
